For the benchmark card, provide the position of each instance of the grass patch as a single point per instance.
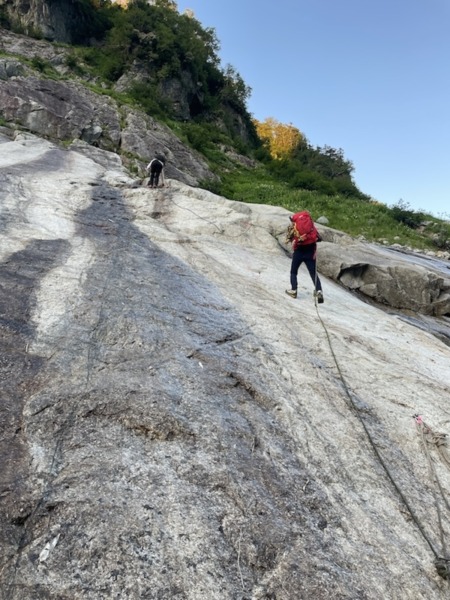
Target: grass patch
(355, 217)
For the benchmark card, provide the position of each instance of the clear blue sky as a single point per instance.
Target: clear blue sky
(369, 76)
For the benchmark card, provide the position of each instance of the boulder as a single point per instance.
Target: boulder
(421, 287)
(10, 68)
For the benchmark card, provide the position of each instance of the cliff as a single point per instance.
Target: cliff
(57, 21)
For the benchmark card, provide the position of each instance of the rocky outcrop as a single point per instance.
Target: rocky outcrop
(55, 20)
(30, 48)
(143, 136)
(174, 426)
(387, 277)
(183, 92)
(68, 110)
(61, 110)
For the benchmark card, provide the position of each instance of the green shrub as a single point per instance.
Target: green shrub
(403, 213)
(150, 99)
(352, 215)
(73, 63)
(44, 66)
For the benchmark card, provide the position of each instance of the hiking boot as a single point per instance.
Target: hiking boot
(291, 293)
(319, 296)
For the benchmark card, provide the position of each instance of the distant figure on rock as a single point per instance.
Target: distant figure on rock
(303, 235)
(156, 168)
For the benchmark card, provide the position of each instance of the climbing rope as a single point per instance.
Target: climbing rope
(442, 563)
(430, 438)
(197, 215)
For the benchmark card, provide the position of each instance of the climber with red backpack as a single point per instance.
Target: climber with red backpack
(303, 235)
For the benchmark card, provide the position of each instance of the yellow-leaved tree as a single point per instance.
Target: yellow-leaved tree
(281, 139)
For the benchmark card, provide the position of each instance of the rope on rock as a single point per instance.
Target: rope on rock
(429, 439)
(197, 215)
(442, 563)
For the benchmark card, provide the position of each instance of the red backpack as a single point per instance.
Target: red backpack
(304, 229)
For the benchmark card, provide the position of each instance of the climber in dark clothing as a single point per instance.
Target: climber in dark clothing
(307, 255)
(303, 235)
(156, 168)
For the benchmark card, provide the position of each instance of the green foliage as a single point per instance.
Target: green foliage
(212, 185)
(234, 91)
(322, 169)
(370, 219)
(435, 230)
(208, 140)
(166, 45)
(440, 234)
(150, 99)
(43, 66)
(92, 21)
(403, 213)
(74, 64)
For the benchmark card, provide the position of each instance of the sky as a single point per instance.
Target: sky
(369, 76)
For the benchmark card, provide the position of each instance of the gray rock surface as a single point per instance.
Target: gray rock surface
(29, 48)
(173, 426)
(59, 21)
(390, 279)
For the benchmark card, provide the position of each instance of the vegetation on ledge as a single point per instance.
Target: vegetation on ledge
(158, 45)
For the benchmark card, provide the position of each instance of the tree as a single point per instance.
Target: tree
(235, 91)
(280, 139)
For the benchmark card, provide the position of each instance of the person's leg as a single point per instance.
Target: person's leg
(156, 178)
(297, 260)
(311, 265)
(152, 178)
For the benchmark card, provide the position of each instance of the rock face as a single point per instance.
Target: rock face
(67, 110)
(55, 20)
(173, 426)
(183, 92)
(389, 278)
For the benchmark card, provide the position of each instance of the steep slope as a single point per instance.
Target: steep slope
(174, 426)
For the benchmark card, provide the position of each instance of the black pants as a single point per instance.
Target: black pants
(307, 255)
(155, 171)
